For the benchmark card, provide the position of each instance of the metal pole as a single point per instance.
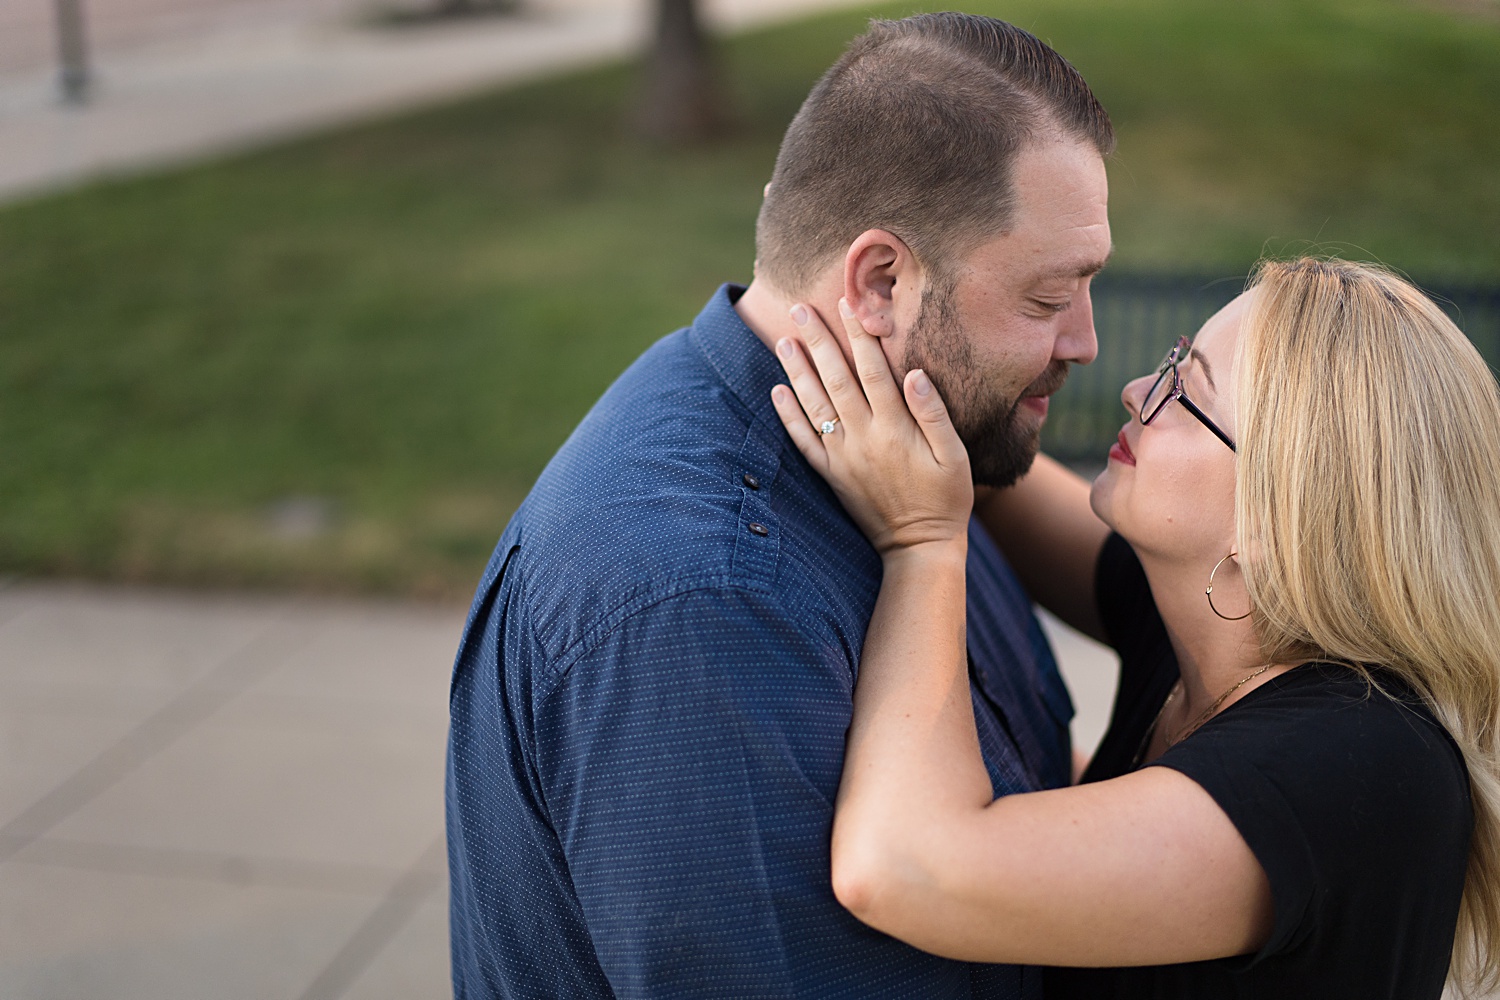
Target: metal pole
(72, 51)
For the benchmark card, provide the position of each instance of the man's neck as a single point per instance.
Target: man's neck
(766, 312)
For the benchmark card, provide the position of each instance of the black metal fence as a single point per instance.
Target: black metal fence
(1139, 316)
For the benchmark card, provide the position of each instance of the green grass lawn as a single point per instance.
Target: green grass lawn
(406, 318)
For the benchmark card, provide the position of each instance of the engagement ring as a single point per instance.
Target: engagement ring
(828, 426)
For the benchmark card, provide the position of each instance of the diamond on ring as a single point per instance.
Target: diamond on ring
(828, 426)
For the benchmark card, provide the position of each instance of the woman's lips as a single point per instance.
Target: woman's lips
(1120, 450)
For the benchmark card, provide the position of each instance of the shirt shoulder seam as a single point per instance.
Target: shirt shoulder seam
(561, 667)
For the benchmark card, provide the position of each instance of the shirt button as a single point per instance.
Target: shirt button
(750, 481)
(756, 528)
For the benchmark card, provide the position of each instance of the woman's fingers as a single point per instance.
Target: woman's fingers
(842, 389)
(926, 404)
(807, 440)
(871, 364)
(805, 383)
(899, 469)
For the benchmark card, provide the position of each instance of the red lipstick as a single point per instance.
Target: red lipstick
(1120, 450)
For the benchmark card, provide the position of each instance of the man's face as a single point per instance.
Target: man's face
(997, 336)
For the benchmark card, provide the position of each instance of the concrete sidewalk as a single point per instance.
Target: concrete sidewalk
(237, 797)
(244, 72)
(220, 797)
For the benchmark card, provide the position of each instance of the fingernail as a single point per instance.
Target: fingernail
(778, 393)
(799, 314)
(921, 383)
(785, 348)
(845, 309)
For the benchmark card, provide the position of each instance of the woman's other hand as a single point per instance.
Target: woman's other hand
(892, 455)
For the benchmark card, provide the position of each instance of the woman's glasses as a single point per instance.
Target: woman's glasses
(1168, 386)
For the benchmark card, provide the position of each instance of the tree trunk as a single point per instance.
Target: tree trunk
(460, 8)
(683, 101)
(72, 51)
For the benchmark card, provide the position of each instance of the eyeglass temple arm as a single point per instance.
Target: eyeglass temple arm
(1207, 421)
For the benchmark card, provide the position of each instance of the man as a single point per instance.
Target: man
(651, 698)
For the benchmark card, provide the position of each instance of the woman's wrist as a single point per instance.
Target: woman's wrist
(929, 554)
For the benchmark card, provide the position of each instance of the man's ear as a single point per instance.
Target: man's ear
(882, 282)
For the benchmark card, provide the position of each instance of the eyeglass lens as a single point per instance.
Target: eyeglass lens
(1161, 391)
(1165, 384)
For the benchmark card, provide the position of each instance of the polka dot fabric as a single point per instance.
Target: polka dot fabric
(650, 702)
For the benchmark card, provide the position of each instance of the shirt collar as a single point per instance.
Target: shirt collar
(747, 366)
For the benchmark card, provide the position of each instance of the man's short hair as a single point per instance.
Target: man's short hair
(915, 130)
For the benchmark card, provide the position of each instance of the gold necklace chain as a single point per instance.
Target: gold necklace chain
(1172, 740)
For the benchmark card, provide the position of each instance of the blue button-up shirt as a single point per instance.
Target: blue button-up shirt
(650, 703)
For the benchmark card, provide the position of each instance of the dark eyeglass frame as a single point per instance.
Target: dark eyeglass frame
(1168, 367)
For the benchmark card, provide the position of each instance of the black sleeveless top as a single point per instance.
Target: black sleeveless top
(1354, 800)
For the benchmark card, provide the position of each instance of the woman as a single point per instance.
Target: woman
(1295, 548)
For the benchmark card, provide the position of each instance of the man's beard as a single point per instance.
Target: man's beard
(1002, 444)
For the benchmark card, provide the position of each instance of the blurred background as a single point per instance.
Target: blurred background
(297, 297)
(338, 362)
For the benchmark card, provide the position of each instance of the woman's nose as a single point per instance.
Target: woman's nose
(1134, 392)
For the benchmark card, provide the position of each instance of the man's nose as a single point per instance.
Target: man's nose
(1077, 341)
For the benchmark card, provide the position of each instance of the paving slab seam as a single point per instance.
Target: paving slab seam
(209, 866)
(392, 913)
(234, 674)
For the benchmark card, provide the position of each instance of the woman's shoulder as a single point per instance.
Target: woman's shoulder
(1370, 704)
(1350, 793)
(1344, 749)
(1341, 719)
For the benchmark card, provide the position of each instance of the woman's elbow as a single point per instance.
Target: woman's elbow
(864, 879)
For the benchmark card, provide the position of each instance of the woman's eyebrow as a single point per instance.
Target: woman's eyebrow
(1208, 369)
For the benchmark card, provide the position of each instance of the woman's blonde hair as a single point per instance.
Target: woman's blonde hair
(1368, 502)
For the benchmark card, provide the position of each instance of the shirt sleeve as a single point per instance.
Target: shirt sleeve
(1134, 628)
(689, 764)
(1126, 607)
(1349, 799)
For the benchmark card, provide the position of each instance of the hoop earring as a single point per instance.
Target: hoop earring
(1209, 593)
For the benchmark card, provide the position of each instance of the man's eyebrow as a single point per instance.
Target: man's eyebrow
(1093, 268)
(1087, 269)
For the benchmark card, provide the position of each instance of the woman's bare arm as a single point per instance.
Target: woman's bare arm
(1144, 869)
(1052, 539)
